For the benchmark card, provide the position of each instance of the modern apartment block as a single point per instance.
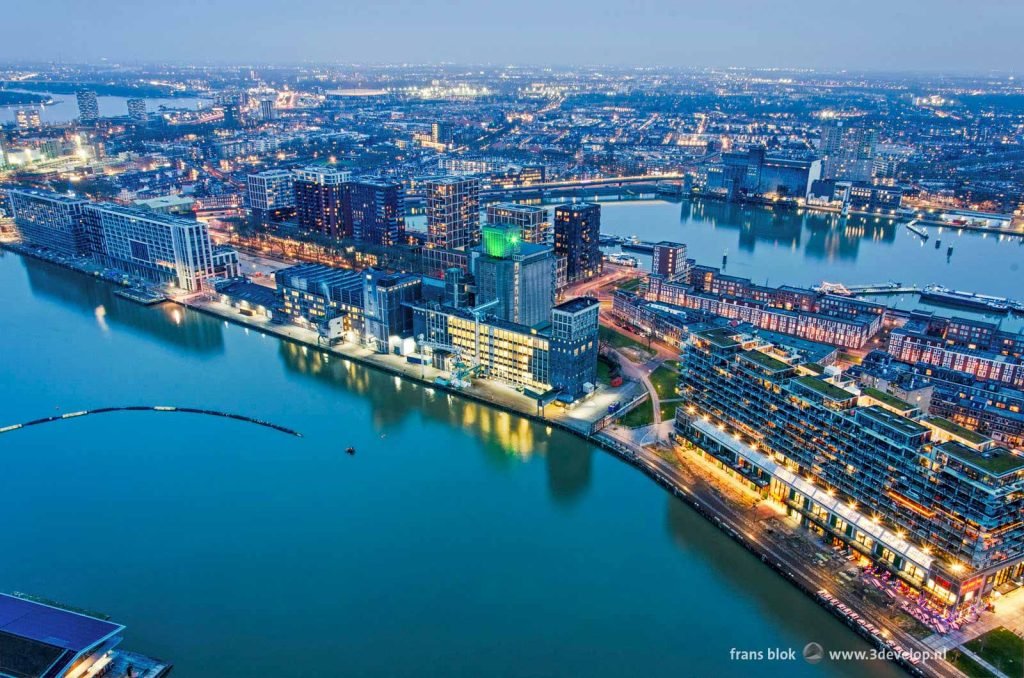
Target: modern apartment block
(531, 220)
(319, 201)
(376, 209)
(847, 151)
(519, 276)
(137, 109)
(88, 106)
(577, 238)
(158, 247)
(453, 211)
(938, 507)
(669, 261)
(271, 195)
(56, 222)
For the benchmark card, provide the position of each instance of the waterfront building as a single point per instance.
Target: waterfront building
(312, 295)
(377, 211)
(137, 109)
(28, 119)
(453, 211)
(387, 310)
(859, 196)
(88, 106)
(847, 151)
(938, 509)
(669, 260)
(168, 204)
(975, 347)
(319, 201)
(829, 319)
(158, 247)
(577, 238)
(519, 276)
(46, 219)
(574, 347)
(560, 356)
(271, 195)
(531, 220)
(225, 262)
(755, 174)
(41, 639)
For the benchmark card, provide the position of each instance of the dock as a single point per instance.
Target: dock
(141, 296)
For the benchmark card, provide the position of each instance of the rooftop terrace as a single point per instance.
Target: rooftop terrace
(996, 460)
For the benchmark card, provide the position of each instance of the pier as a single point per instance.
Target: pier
(150, 408)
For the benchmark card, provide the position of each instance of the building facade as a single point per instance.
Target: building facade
(312, 295)
(137, 109)
(320, 203)
(377, 211)
(847, 151)
(88, 106)
(531, 220)
(158, 247)
(577, 238)
(574, 346)
(271, 195)
(518, 276)
(387, 310)
(453, 211)
(669, 260)
(937, 509)
(51, 220)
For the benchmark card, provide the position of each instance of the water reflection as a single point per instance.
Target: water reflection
(505, 439)
(828, 236)
(83, 294)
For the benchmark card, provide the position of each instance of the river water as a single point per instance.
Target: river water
(65, 107)
(458, 541)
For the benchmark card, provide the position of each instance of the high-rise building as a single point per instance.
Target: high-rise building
(847, 151)
(577, 238)
(574, 346)
(376, 209)
(88, 106)
(319, 201)
(137, 109)
(28, 119)
(267, 111)
(669, 260)
(158, 247)
(453, 211)
(934, 504)
(56, 222)
(531, 220)
(271, 195)
(441, 133)
(3, 151)
(519, 276)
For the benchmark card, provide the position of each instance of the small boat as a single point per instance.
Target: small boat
(350, 450)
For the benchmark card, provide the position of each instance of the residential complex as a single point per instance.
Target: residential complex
(377, 211)
(271, 195)
(938, 508)
(453, 211)
(319, 201)
(50, 220)
(577, 238)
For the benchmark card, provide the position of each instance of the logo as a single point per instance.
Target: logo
(813, 653)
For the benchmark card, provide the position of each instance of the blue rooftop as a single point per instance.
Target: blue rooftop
(51, 625)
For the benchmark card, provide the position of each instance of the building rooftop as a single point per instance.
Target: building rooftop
(957, 430)
(893, 420)
(720, 336)
(996, 460)
(42, 639)
(576, 305)
(764, 360)
(890, 400)
(830, 391)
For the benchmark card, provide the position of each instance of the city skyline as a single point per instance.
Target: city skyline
(795, 34)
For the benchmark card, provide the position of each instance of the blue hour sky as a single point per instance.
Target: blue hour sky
(933, 35)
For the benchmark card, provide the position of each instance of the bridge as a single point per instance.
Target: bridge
(148, 408)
